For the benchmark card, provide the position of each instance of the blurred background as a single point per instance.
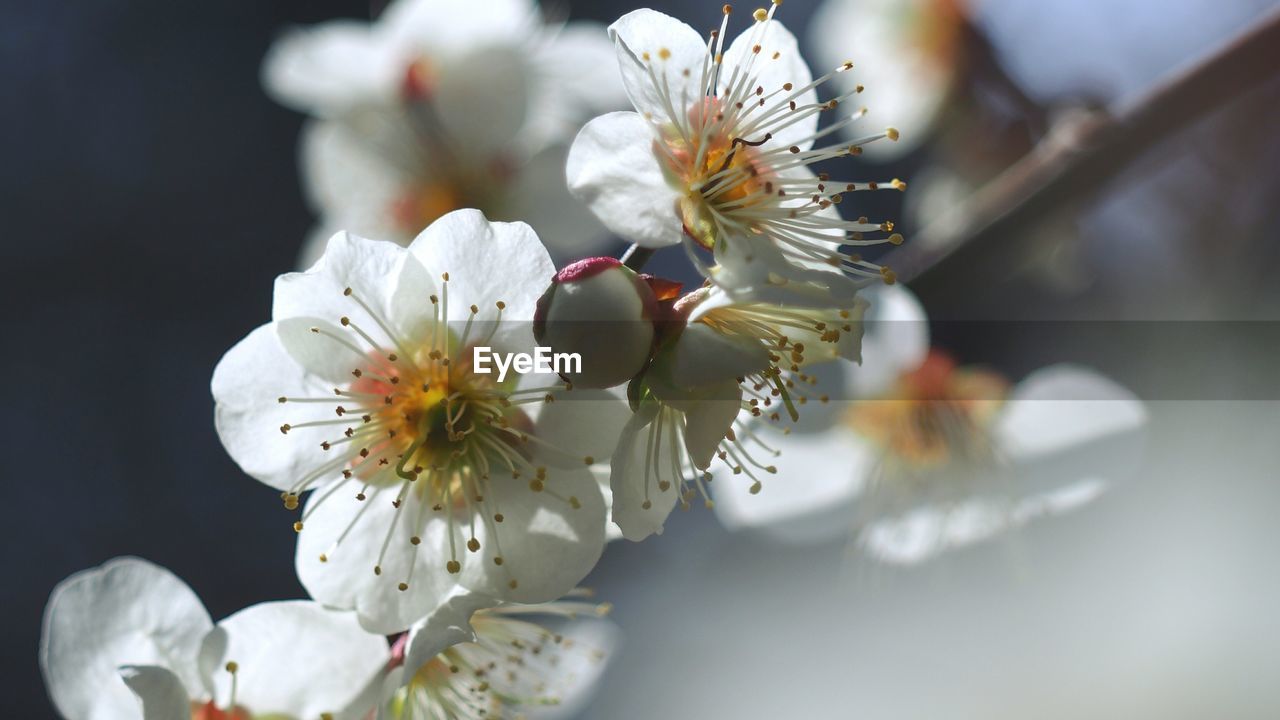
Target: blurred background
(151, 195)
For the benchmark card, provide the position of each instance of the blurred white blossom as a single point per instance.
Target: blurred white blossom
(930, 456)
(906, 55)
(440, 105)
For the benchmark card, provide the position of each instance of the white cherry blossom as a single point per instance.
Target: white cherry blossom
(729, 361)
(436, 488)
(718, 154)
(440, 105)
(536, 661)
(131, 640)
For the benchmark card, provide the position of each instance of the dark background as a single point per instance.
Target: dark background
(151, 196)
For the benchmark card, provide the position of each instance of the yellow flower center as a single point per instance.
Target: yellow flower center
(716, 173)
(425, 203)
(935, 414)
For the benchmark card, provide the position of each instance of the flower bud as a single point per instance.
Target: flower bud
(601, 310)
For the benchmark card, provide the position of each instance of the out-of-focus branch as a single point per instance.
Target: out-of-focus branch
(989, 233)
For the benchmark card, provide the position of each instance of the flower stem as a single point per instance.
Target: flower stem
(989, 233)
(635, 257)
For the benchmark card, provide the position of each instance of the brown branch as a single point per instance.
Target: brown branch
(988, 233)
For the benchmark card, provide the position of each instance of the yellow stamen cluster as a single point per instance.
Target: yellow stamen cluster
(416, 427)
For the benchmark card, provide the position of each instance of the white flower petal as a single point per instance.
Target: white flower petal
(906, 79)
(446, 27)
(612, 168)
(246, 386)
(353, 171)
(1065, 406)
(316, 241)
(162, 694)
(776, 63)
(128, 611)
(448, 625)
(346, 578)
(294, 658)
(611, 530)
(926, 532)
(703, 356)
(752, 269)
(641, 452)
(482, 101)
(811, 499)
(583, 423)
(577, 77)
(349, 261)
(895, 340)
(314, 353)
(488, 262)
(382, 275)
(541, 198)
(548, 546)
(675, 52)
(582, 659)
(708, 418)
(329, 68)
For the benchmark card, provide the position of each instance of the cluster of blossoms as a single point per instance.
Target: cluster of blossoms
(441, 105)
(446, 514)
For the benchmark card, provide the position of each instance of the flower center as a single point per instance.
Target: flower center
(425, 203)
(716, 172)
(429, 407)
(936, 414)
(419, 425)
(209, 711)
(446, 176)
